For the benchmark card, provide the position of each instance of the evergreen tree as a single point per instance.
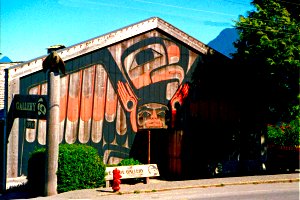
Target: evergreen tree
(269, 49)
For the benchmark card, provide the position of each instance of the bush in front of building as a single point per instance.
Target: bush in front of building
(286, 133)
(79, 167)
(129, 162)
(284, 144)
(36, 171)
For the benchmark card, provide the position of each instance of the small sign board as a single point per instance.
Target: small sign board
(133, 171)
(30, 124)
(30, 106)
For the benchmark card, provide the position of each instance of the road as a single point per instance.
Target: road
(273, 191)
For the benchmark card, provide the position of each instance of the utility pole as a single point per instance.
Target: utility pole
(52, 133)
(52, 65)
(149, 156)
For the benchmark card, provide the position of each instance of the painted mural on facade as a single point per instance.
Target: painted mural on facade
(109, 95)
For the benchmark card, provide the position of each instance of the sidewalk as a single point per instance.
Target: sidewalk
(156, 185)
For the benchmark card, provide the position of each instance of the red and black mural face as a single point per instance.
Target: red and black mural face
(152, 116)
(110, 94)
(153, 68)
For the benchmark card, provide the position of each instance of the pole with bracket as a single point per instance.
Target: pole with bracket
(52, 65)
(4, 137)
(53, 128)
(149, 150)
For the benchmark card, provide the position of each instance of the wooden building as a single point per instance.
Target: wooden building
(149, 76)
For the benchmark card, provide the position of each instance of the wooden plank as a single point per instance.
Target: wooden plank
(133, 171)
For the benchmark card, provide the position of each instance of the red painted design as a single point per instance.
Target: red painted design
(86, 108)
(100, 94)
(129, 101)
(173, 53)
(178, 97)
(168, 73)
(63, 98)
(111, 103)
(74, 97)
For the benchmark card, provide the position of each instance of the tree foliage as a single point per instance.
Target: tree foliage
(269, 45)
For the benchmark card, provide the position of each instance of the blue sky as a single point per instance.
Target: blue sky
(28, 27)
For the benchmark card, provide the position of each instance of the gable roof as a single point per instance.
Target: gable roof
(108, 39)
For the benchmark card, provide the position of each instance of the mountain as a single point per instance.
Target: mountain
(223, 43)
(5, 59)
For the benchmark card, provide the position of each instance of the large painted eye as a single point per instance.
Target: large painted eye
(146, 114)
(130, 104)
(146, 56)
(161, 114)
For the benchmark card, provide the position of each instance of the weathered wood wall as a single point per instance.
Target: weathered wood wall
(152, 65)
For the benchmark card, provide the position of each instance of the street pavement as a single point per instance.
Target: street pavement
(156, 185)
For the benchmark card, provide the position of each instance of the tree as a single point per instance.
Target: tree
(269, 45)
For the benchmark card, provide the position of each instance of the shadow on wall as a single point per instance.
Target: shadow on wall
(213, 133)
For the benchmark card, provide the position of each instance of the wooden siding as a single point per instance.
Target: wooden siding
(152, 66)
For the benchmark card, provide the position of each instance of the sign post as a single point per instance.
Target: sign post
(3, 157)
(22, 106)
(52, 65)
(149, 150)
(52, 133)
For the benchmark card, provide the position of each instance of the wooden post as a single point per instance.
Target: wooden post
(4, 138)
(149, 150)
(53, 129)
(3, 157)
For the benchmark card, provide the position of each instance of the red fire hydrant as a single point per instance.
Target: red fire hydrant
(116, 180)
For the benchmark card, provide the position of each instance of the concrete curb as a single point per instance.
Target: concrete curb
(206, 186)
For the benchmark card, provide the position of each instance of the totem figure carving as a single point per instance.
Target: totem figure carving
(54, 63)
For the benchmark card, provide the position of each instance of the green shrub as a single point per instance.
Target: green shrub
(36, 171)
(79, 167)
(128, 162)
(286, 134)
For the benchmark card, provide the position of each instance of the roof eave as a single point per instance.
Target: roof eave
(109, 39)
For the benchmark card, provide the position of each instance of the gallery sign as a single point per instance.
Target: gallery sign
(133, 171)
(30, 106)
